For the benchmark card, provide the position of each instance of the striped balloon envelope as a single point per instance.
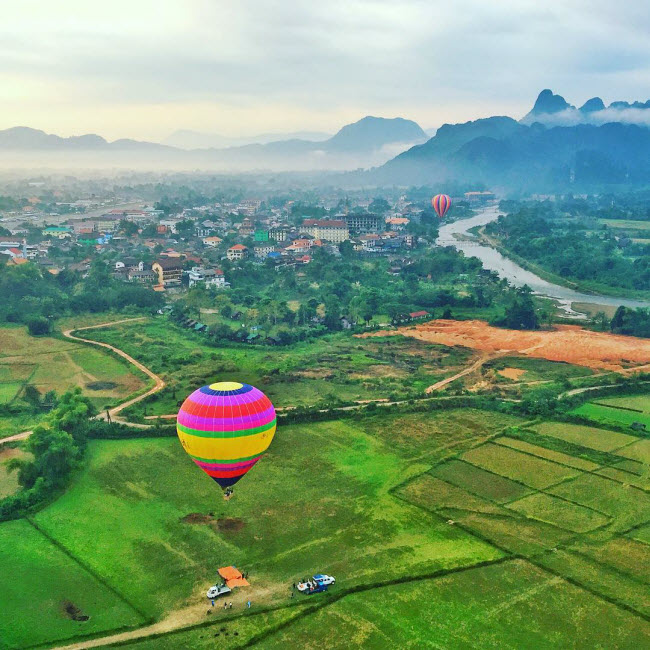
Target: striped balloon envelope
(441, 204)
(226, 428)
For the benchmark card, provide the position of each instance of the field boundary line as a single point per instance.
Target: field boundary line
(576, 583)
(609, 567)
(102, 581)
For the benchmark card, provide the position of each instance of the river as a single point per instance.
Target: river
(454, 234)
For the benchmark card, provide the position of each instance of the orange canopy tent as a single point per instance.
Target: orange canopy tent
(238, 582)
(233, 577)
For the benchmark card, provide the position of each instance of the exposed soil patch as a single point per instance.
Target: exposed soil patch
(101, 385)
(230, 524)
(72, 612)
(315, 373)
(197, 518)
(11, 452)
(223, 525)
(512, 373)
(567, 343)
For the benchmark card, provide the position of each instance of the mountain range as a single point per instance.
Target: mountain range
(371, 140)
(554, 146)
(188, 139)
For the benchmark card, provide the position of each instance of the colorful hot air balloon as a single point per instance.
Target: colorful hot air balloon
(441, 204)
(226, 428)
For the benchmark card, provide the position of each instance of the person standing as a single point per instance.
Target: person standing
(248, 604)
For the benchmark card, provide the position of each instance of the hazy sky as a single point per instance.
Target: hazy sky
(143, 68)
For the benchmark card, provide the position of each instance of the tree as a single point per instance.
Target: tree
(185, 228)
(55, 454)
(601, 321)
(39, 326)
(379, 206)
(618, 319)
(346, 249)
(520, 312)
(128, 228)
(32, 396)
(332, 318)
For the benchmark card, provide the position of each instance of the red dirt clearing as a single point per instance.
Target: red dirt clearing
(568, 343)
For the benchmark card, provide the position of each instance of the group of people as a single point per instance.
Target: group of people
(310, 584)
(228, 605)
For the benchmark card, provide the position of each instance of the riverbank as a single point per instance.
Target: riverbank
(458, 234)
(590, 288)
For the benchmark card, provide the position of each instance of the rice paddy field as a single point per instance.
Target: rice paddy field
(620, 411)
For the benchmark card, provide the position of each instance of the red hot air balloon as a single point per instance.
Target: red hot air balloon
(441, 204)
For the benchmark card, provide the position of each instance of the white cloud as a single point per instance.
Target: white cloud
(143, 68)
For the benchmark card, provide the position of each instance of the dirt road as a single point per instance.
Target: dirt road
(475, 366)
(159, 383)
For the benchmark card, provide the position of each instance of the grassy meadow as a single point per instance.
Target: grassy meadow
(51, 363)
(319, 501)
(329, 369)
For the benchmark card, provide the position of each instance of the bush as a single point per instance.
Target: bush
(39, 326)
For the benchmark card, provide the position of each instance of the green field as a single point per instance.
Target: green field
(537, 369)
(511, 605)
(524, 468)
(628, 506)
(418, 515)
(626, 224)
(134, 498)
(39, 581)
(548, 454)
(486, 485)
(49, 363)
(620, 411)
(591, 437)
(559, 513)
(336, 368)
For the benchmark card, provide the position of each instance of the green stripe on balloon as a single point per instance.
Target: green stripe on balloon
(226, 434)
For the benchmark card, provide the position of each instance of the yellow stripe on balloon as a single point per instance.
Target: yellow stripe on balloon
(226, 385)
(226, 448)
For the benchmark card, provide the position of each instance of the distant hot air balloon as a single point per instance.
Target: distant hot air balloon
(226, 428)
(441, 204)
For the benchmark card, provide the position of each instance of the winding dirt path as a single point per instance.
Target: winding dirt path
(159, 382)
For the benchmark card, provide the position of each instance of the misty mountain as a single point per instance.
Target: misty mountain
(553, 110)
(370, 141)
(372, 133)
(547, 103)
(502, 152)
(187, 139)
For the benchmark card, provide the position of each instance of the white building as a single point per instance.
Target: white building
(209, 277)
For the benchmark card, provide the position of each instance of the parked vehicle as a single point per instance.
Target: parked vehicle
(218, 590)
(320, 582)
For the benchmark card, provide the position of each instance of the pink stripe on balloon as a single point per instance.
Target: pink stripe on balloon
(239, 423)
(227, 466)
